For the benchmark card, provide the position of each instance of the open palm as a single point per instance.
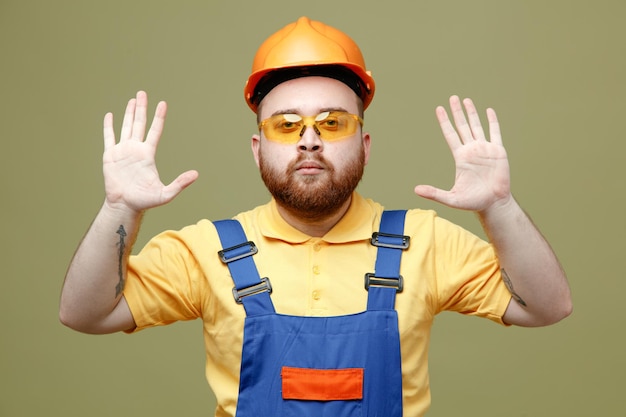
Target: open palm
(482, 170)
(130, 174)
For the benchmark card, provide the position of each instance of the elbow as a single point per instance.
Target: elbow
(559, 311)
(541, 317)
(78, 325)
(75, 321)
(74, 315)
(90, 322)
(558, 306)
(67, 317)
(69, 320)
(566, 309)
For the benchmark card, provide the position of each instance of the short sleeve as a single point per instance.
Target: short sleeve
(162, 282)
(469, 278)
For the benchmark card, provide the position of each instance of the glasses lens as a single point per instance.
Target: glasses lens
(284, 128)
(336, 125)
(330, 125)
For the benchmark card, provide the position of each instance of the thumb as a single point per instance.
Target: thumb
(432, 193)
(181, 182)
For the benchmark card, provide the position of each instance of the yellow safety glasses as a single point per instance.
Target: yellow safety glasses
(329, 125)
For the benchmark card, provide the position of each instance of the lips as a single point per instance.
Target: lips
(309, 167)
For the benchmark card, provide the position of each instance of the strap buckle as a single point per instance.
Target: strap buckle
(372, 279)
(388, 240)
(237, 252)
(263, 286)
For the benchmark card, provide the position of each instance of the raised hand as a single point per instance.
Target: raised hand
(482, 170)
(130, 174)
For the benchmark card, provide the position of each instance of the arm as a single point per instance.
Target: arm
(530, 269)
(92, 296)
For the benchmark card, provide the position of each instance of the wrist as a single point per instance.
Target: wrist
(501, 208)
(121, 211)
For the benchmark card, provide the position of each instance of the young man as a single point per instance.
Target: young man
(303, 332)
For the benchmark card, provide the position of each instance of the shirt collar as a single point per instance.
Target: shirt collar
(356, 224)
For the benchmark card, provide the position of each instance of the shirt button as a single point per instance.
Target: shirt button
(316, 270)
(316, 295)
(317, 247)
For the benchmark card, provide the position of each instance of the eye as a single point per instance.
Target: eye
(288, 122)
(331, 122)
(285, 125)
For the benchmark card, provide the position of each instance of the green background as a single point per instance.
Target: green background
(554, 71)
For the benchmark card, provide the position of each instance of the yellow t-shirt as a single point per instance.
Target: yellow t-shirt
(178, 276)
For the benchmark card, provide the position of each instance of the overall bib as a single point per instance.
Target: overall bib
(319, 366)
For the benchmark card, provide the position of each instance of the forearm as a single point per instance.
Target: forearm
(530, 269)
(97, 273)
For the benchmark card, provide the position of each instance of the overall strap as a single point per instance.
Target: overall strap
(386, 281)
(250, 289)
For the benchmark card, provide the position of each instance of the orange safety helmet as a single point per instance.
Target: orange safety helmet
(311, 46)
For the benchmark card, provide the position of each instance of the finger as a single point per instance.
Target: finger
(452, 138)
(129, 116)
(156, 129)
(141, 110)
(183, 181)
(474, 120)
(435, 194)
(494, 127)
(462, 127)
(108, 131)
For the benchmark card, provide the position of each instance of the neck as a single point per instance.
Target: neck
(315, 225)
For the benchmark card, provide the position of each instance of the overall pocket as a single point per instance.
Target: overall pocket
(322, 392)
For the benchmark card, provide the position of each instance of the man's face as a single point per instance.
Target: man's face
(312, 178)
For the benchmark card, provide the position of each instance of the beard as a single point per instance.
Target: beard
(313, 196)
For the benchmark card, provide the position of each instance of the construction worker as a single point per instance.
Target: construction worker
(319, 302)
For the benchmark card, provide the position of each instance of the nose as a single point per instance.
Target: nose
(310, 140)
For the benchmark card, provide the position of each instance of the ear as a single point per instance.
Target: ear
(366, 146)
(255, 144)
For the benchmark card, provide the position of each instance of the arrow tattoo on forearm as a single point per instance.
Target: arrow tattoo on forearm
(122, 247)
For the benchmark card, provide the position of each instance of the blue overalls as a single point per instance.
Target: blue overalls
(319, 366)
